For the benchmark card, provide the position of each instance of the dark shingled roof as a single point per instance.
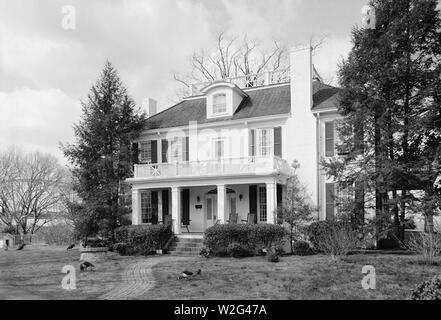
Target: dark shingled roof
(262, 102)
(325, 96)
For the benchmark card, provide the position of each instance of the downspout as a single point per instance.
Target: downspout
(317, 116)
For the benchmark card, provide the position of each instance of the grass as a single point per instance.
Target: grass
(311, 277)
(37, 270)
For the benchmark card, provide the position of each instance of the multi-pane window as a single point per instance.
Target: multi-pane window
(145, 152)
(265, 142)
(175, 149)
(262, 204)
(219, 103)
(329, 139)
(146, 207)
(219, 148)
(345, 196)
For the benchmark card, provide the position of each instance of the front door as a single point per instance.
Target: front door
(211, 210)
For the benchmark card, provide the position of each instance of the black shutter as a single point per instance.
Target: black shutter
(278, 142)
(164, 151)
(253, 200)
(187, 149)
(279, 195)
(154, 207)
(154, 145)
(330, 201)
(329, 139)
(252, 143)
(185, 201)
(135, 153)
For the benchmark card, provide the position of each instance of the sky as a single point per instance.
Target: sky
(48, 63)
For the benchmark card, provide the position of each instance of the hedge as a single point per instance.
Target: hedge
(428, 290)
(141, 239)
(242, 239)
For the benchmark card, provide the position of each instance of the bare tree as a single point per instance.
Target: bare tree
(232, 57)
(31, 189)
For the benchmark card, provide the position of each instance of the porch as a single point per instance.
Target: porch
(191, 209)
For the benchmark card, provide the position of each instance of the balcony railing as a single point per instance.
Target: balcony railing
(248, 81)
(237, 166)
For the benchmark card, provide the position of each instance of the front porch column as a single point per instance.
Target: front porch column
(271, 200)
(176, 209)
(136, 207)
(221, 203)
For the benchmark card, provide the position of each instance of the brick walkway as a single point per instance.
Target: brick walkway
(137, 279)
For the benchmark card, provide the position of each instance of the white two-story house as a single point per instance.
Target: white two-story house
(224, 153)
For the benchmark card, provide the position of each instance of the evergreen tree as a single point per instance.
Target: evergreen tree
(101, 157)
(390, 103)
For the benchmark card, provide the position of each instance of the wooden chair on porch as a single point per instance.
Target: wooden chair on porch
(233, 218)
(251, 218)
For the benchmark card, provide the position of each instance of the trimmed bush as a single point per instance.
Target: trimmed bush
(428, 290)
(238, 250)
(142, 239)
(302, 248)
(241, 239)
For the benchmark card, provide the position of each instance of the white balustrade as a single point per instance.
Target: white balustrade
(222, 167)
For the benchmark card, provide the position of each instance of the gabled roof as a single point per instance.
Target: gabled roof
(265, 101)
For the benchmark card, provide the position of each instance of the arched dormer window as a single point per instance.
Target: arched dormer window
(219, 103)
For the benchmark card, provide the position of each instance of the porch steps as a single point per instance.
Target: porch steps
(187, 246)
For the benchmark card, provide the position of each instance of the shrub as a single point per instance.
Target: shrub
(238, 250)
(221, 239)
(59, 235)
(121, 248)
(143, 239)
(428, 290)
(333, 238)
(427, 245)
(315, 231)
(301, 248)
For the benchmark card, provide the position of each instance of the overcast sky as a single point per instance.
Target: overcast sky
(46, 70)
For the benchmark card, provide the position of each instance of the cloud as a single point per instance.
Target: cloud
(35, 119)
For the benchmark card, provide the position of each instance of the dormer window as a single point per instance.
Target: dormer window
(219, 103)
(223, 99)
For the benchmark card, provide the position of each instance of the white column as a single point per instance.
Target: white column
(176, 209)
(160, 217)
(221, 203)
(271, 196)
(136, 207)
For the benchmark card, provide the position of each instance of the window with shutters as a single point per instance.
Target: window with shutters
(146, 207)
(265, 142)
(329, 139)
(145, 152)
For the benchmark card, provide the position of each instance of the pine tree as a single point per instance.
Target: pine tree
(101, 157)
(390, 99)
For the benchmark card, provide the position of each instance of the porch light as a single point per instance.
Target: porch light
(198, 199)
(240, 197)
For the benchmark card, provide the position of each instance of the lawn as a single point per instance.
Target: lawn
(312, 277)
(37, 270)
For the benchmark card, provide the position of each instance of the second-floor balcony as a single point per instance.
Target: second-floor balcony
(223, 167)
